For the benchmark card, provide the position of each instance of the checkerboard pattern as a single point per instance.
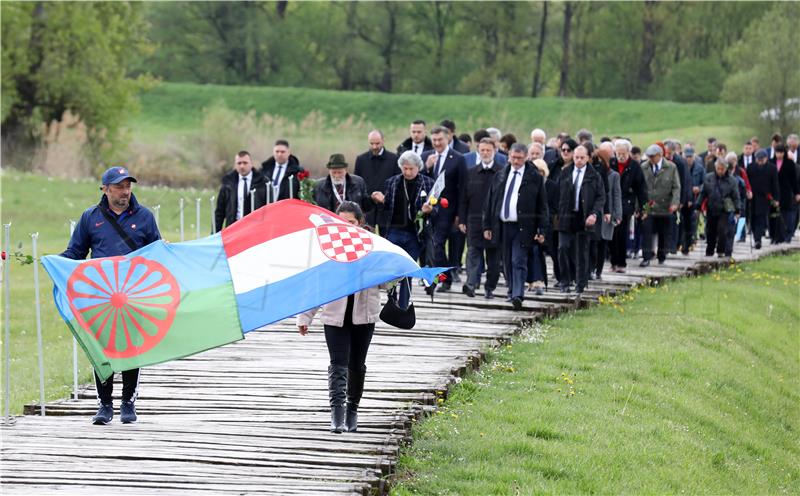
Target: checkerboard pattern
(343, 242)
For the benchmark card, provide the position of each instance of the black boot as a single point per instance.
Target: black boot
(337, 382)
(355, 388)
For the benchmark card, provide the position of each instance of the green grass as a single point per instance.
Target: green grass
(34, 203)
(688, 388)
(179, 107)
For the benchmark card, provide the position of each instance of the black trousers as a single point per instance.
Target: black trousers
(130, 385)
(348, 345)
(619, 242)
(573, 248)
(688, 227)
(479, 256)
(660, 226)
(597, 256)
(717, 234)
(759, 225)
(455, 247)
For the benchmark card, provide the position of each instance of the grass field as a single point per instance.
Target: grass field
(173, 127)
(688, 388)
(34, 203)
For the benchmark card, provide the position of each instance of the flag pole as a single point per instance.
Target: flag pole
(197, 217)
(267, 193)
(75, 341)
(155, 211)
(37, 304)
(180, 206)
(252, 200)
(291, 186)
(7, 344)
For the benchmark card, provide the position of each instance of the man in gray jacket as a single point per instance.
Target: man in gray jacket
(664, 193)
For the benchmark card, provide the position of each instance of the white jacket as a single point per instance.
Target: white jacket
(366, 310)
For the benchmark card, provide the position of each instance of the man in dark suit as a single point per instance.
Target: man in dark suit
(516, 212)
(473, 158)
(340, 186)
(418, 141)
(455, 143)
(480, 252)
(580, 206)
(375, 166)
(746, 158)
(281, 170)
(241, 190)
(443, 160)
(764, 181)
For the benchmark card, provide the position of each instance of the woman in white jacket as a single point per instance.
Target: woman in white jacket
(349, 323)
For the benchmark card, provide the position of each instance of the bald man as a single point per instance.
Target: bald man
(375, 166)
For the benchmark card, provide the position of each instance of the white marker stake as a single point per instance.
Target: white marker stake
(74, 341)
(197, 217)
(6, 297)
(37, 305)
(213, 219)
(155, 212)
(252, 200)
(180, 205)
(291, 186)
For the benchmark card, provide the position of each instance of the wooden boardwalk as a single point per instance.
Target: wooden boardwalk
(252, 417)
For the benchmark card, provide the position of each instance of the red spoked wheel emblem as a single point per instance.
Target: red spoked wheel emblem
(127, 305)
(344, 242)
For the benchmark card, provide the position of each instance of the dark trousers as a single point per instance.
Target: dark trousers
(652, 226)
(536, 267)
(348, 345)
(717, 232)
(688, 227)
(618, 244)
(553, 249)
(441, 233)
(574, 244)
(597, 256)
(759, 225)
(515, 260)
(406, 240)
(477, 258)
(674, 233)
(455, 247)
(789, 218)
(130, 385)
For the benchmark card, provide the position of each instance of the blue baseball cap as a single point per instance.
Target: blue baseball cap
(117, 174)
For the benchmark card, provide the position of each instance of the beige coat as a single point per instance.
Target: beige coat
(366, 310)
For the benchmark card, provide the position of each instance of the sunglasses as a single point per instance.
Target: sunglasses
(566, 150)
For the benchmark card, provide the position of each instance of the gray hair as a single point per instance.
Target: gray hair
(409, 158)
(793, 137)
(518, 147)
(624, 143)
(583, 135)
(494, 133)
(440, 130)
(606, 145)
(537, 145)
(671, 145)
(731, 157)
(538, 133)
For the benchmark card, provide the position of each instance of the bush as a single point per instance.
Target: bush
(694, 80)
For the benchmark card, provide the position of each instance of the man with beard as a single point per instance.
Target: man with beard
(375, 166)
(340, 186)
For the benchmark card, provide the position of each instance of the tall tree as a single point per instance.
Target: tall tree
(565, 48)
(650, 26)
(537, 73)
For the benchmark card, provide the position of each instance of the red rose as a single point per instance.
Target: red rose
(769, 196)
(303, 175)
(4, 255)
(442, 277)
(444, 203)
(652, 203)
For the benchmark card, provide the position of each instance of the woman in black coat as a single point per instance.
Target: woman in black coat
(764, 182)
(789, 192)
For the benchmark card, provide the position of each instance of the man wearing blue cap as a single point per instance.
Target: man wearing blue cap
(116, 226)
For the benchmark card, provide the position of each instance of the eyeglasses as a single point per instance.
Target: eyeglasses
(566, 150)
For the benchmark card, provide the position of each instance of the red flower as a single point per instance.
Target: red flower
(769, 196)
(303, 175)
(4, 255)
(444, 203)
(442, 277)
(652, 203)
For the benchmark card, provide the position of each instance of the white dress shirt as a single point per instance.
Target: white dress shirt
(417, 147)
(438, 167)
(578, 174)
(512, 206)
(241, 194)
(277, 177)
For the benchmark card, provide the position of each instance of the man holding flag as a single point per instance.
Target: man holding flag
(116, 226)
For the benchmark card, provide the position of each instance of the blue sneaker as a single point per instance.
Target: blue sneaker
(127, 412)
(104, 414)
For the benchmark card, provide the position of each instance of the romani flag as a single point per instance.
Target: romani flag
(170, 300)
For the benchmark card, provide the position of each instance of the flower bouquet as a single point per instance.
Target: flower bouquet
(306, 187)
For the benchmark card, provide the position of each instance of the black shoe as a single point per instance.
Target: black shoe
(443, 288)
(467, 290)
(337, 419)
(758, 246)
(644, 263)
(565, 288)
(351, 418)
(430, 289)
(488, 294)
(516, 303)
(579, 289)
(104, 414)
(127, 412)
(355, 389)
(661, 262)
(598, 277)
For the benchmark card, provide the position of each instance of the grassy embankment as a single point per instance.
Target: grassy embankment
(688, 388)
(33, 203)
(321, 122)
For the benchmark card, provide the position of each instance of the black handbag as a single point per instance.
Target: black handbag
(395, 316)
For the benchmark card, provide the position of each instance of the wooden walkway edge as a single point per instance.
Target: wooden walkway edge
(252, 417)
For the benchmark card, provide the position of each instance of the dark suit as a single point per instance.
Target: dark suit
(292, 169)
(764, 183)
(634, 195)
(471, 159)
(407, 145)
(444, 229)
(228, 198)
(375, 170)
(789, 186)
(572, 223)
(479, 251)
(355, 190)
(517, 237)
(459, 146)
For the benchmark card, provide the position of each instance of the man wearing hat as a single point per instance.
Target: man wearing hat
(116, 226)
(340, 186)
(664, 194)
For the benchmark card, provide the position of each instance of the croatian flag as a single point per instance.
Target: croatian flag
(170, 300)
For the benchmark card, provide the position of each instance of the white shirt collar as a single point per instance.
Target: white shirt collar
(249, 177)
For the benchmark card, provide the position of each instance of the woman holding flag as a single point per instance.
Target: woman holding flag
(349, 323)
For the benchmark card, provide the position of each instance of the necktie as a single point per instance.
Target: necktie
(277, 175)
(507, 201)
(340, 192)
(416, 149)
(575, 186)
(439, 160)
(246, 198)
